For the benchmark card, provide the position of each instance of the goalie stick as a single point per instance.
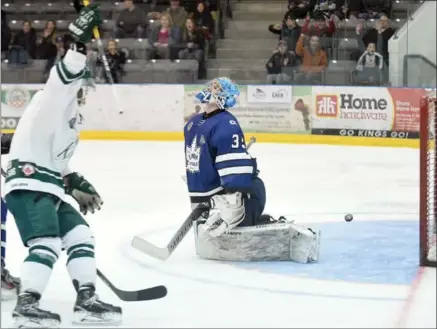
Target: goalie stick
(163, 253)
(151, 293)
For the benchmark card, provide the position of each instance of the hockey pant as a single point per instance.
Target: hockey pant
(4, 211)
(255, 204)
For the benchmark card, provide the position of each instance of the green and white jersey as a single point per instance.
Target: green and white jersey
(48, 132)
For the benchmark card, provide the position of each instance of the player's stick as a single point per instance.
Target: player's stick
(251, 141)
(165, 252)
(151, 293)
(105, 62)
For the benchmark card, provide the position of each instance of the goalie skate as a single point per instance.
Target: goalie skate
(10, 286)
(27, 314)
(90, 310)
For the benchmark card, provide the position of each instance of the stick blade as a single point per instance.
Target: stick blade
(156, 292)
(150, 249)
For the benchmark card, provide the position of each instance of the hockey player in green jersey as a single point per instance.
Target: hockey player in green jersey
(38, 179)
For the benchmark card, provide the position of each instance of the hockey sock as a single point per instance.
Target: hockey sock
(4, 211)
(38, 265)
(81, 263)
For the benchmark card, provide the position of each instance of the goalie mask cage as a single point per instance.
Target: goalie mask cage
(428, 179)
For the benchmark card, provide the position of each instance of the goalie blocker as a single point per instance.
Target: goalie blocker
(270, 242)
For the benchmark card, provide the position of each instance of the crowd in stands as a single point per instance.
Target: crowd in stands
(305, 48)
(176, 33)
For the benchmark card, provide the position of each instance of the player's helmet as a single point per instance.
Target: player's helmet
(221, 91)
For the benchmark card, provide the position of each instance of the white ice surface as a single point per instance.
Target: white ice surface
(144, 195)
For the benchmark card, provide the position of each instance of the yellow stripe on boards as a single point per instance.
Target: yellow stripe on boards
(261, 138)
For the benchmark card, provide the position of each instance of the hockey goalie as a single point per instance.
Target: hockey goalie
(221, 173)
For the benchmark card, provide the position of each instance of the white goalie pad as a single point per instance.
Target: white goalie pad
(270, 242)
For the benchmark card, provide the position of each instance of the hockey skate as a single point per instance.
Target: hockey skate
(10, 286)
(90, 310)
(27, 313)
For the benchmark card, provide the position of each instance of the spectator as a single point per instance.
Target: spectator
(116, 61)
(6, 35)
(369, 66)
(46, 48)
(162, 39)
(288, 32)
(177, 13)
(131, 22)
(58, 54)
(203, 19)
(193, 46)
(23, 45)
(281, 65)
(299, 8)
(314, 59)
(323, 27)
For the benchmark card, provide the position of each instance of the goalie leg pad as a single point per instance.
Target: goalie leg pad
(305, 244)
(270, 242)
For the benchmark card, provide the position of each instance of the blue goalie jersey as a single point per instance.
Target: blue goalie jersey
(216, 156)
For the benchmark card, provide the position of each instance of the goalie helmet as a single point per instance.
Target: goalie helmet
(220, 91)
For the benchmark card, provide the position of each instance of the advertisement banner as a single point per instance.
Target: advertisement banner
(269, 94)
(14, 99)
(359, 109)
(294, 116)
(146, 107)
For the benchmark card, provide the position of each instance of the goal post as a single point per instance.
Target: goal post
(428, 179)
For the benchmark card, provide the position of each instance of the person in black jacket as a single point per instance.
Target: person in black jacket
(289, 32)
(116, 60)
(280, 67)
(6, 34)
(23, 45)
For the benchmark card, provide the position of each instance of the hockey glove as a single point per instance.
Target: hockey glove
(83, 192)
(82, 28)
(231, 213)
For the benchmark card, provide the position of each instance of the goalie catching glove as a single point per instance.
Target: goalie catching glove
(230, 213)
(83, 192)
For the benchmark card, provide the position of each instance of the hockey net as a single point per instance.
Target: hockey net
(428, 178)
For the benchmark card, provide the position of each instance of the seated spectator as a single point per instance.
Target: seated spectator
(288, 32)
(193, 46)
(131, 22)
(299, 8)
(163, 39)
(177, 13)
(314, 60)
(46, 48)
(6, 35)
(91, 62)
(116, 60)
(23, 45)
(280, 66)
